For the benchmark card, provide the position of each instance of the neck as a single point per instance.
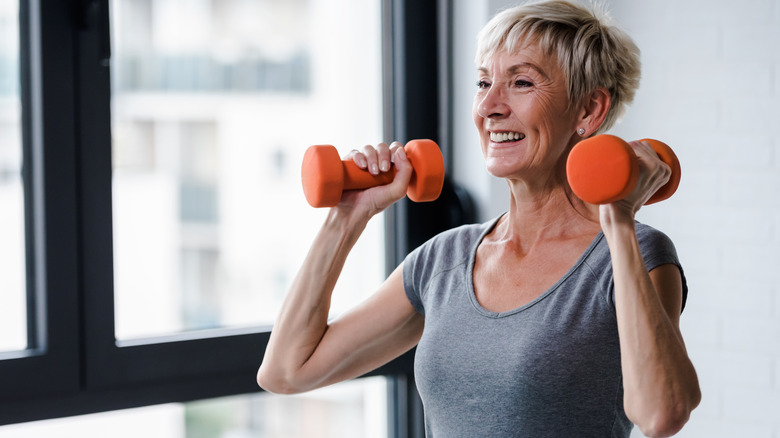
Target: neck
(541, 214)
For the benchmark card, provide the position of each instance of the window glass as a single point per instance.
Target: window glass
(354, 409)
(214, 103)
(13, 323)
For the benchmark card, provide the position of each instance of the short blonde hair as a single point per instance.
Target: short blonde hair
(591, 52)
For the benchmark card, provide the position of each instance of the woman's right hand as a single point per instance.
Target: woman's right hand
(376, 160)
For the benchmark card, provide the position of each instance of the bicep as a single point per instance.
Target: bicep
(376, 331)
(667, 281)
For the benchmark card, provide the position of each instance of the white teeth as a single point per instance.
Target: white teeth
(499, 137)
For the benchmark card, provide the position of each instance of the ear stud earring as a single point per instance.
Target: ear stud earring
(581, 131)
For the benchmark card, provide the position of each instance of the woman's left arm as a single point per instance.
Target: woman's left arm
(660, 383)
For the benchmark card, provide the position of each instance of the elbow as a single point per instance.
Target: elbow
(666, 421)
(275, 383)
(664, 415)
(663, 425)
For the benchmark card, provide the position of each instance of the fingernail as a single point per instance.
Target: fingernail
(374, 169)
(385, 165)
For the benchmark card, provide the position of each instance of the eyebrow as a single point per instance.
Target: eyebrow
(517, 67)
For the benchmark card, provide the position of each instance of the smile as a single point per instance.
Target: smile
(501, 137)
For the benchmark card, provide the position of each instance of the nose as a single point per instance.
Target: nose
(493, 104)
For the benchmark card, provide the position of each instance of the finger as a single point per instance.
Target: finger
(357, 157)
(656, 168)
(653, 174)
(395, 145)
(645, 151)
(399, 155)
(383, 157)
(372, 159)
(403, 171)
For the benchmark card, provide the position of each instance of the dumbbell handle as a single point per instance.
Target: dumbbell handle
(604, 169)
(356, 178)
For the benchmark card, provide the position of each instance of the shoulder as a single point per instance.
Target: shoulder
(657, 247)
(455, 242)
(648, 232)
(453, 246)
(449, 251)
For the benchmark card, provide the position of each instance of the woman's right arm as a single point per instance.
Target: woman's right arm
(305, 351)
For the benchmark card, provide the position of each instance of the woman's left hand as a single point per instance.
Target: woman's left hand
(653, 174)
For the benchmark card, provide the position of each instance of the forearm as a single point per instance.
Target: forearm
(303, 318)
(660, 383)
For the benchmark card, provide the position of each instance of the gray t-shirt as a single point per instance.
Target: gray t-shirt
(550, 368)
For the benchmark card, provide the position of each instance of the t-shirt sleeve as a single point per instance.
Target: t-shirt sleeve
(657, 250)
(448, 250)
(411, 275)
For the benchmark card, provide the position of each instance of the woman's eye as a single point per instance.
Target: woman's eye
(523, 84)
(482, 84)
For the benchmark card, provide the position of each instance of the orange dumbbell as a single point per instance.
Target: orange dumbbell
(325, 176)
(604, 169)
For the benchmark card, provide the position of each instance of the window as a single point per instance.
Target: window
(213, 105)
(355, 409)
(156, 162)
(13, 307)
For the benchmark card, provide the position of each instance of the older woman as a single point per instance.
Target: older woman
(556, 319)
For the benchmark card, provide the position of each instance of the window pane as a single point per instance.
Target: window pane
(214, 103)
(13, 322)
(354, 409)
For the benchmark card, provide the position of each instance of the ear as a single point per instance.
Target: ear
(593, 111)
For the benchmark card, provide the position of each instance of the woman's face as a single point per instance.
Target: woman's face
(522, 113)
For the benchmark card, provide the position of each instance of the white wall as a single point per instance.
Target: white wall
(711, 89)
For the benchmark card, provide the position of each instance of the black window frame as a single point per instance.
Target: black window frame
(51, 362)
(75, 365)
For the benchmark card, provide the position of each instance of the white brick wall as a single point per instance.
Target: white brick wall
(711, 89)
